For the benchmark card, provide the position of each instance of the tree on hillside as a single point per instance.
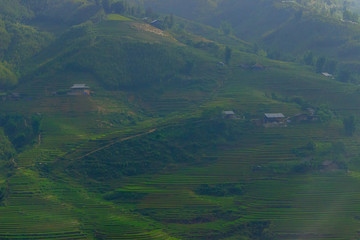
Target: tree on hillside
(118, 7)
(332, 11)
(150, 13)
(320, 62)
(330, 66)
(338, 148)
(344, 76)
(309, 58)
(350, 16)
(106, 5)
(349, 125)
(169, 21)
(7, 77)
(228, 54)
(225, 28)
(188, 67)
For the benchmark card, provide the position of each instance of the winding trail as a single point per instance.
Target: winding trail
(117, 141)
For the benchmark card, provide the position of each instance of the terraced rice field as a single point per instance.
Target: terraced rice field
(31, 215)
(321, 205)
(312, 205)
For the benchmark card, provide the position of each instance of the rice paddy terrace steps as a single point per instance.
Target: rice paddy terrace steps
(35, 210)
(128, 232)
(281, 199)
(236, 160)
(323, 206)
(63, 236)
(31, 214)
(167, 105)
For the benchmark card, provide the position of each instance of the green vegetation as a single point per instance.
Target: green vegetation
(219, 190)
(117, 17)
(286, 30)
(155, 152)
(7, 78)
(20, 130)
(349, 125)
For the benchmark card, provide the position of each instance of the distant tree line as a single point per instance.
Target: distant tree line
(120, 7)
(323, 64)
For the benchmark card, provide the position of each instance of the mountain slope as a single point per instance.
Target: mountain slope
(287, 28)
(151, 153)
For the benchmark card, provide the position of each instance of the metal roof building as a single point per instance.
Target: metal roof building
(274, 115)
(80, 86)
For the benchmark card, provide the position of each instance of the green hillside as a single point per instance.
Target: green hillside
(286, 30)
(147, 151)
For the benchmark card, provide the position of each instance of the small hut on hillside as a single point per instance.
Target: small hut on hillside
(157, 23)
(229, 115)
(79, 89)
(274, 118)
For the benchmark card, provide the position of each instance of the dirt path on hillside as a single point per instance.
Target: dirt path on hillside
(117, 141)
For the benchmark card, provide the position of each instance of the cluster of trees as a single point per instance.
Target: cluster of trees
(317, 154)
(228, 55)
(169, 21)
(164, 22)
(322, 64)
(7, 155)
(226, 28)
(18, 43)
(6, 149)
(350, 16)
(219, 190)
(20, 130)
(120, 7)
(306, 150)
(7, 77)
(335, 8)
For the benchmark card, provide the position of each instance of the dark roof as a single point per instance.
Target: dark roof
(274, 115)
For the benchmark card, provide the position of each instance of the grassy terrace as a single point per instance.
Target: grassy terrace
(298, 206)
(315, 206)
(44, 201)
